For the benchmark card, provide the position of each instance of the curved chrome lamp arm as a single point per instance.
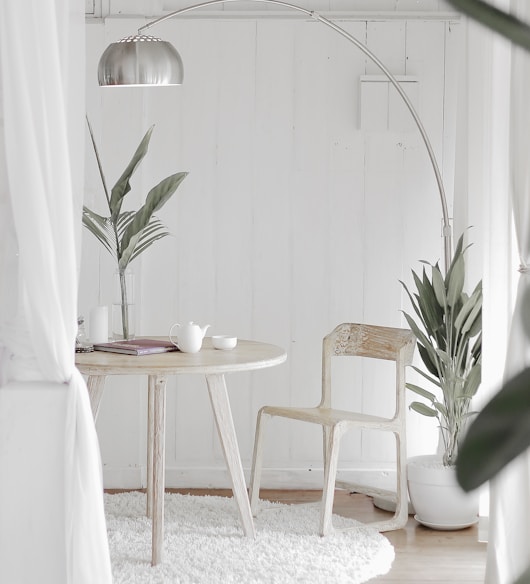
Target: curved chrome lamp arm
(446, 227)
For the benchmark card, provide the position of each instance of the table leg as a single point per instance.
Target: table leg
(96, 385)
(227, 435)
(150, 442)
(157, 386)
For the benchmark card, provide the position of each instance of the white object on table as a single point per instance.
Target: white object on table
(224, 342)
(99, 324)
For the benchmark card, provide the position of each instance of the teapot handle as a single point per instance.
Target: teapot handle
(171, 338)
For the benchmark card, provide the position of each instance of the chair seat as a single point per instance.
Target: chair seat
(330, 416)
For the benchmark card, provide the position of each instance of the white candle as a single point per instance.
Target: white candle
(99, 324)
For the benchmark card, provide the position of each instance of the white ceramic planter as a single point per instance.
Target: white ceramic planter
(437, 498)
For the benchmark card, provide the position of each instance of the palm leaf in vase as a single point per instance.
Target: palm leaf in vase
(125, 235)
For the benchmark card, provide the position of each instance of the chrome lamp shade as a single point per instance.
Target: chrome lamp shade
(140, 60)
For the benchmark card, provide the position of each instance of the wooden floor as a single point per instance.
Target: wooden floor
(422, 555)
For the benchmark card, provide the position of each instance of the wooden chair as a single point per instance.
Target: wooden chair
(349, 340)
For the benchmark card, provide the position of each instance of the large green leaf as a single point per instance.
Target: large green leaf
(475, 315)
(443, 357)
(419, 287)
(476, 350)
(457, 253)
(476, 324)
(455, 283)
(413, 301)
(423, 410)
(156, 198)
(439, 286)
(429, 363)
(472, 381)
(123, 186)
(427, 377)
(423, 392)
(101, 228)
(499, 433)
(123, 221)
(467, 307)
(430, 308)
(418, 333)
(441, 408)
(502, 22)
(153, 232)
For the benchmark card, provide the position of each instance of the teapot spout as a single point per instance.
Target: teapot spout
(204, 329)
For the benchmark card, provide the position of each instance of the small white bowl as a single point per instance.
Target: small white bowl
(224, 342)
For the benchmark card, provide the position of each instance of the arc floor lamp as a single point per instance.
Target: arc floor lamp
(144, 60)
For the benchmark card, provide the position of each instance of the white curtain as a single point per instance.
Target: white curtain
(509, 539)
(41, 154)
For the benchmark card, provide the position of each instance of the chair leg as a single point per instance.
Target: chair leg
(325, 444)
(331, 457)
(402, 505)
(257, 462)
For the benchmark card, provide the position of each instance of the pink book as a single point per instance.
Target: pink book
(137, 346)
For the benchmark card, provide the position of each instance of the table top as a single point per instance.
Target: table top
(246, 356)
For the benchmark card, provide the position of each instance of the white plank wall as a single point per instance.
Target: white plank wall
(292, 220)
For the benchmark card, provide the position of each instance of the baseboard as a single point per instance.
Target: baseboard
(218, 477)
(124, 478)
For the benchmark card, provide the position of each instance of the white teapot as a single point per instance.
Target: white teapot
(189, 337)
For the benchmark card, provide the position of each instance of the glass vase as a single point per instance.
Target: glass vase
(123, 308)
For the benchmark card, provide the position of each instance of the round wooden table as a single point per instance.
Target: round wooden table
(213, 364)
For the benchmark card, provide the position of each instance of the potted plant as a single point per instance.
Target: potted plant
(126, 234)
(448, 327)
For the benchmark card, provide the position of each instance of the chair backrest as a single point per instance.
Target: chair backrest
(364, 340)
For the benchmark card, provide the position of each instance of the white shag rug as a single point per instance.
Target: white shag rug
(204, 544)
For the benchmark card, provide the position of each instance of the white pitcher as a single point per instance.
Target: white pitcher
(189, 337)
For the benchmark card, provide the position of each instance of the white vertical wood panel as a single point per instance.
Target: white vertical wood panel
(399, 118)
(383, 246)
(194, 230)
(383, 190)
(233, 204)
(374, 106)
(346, 226)
(271, 218)
(387, 41)
(310, 225)
(89, 285)
(423, 199)
(213, 260)
(384, 193)
(120, 430)
(425, 58)
(346, 181)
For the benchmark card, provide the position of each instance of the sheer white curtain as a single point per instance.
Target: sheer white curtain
(509, 541)
(41, 153)
(497, 183)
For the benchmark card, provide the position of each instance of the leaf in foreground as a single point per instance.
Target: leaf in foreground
(502, 22)
(499, 433)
